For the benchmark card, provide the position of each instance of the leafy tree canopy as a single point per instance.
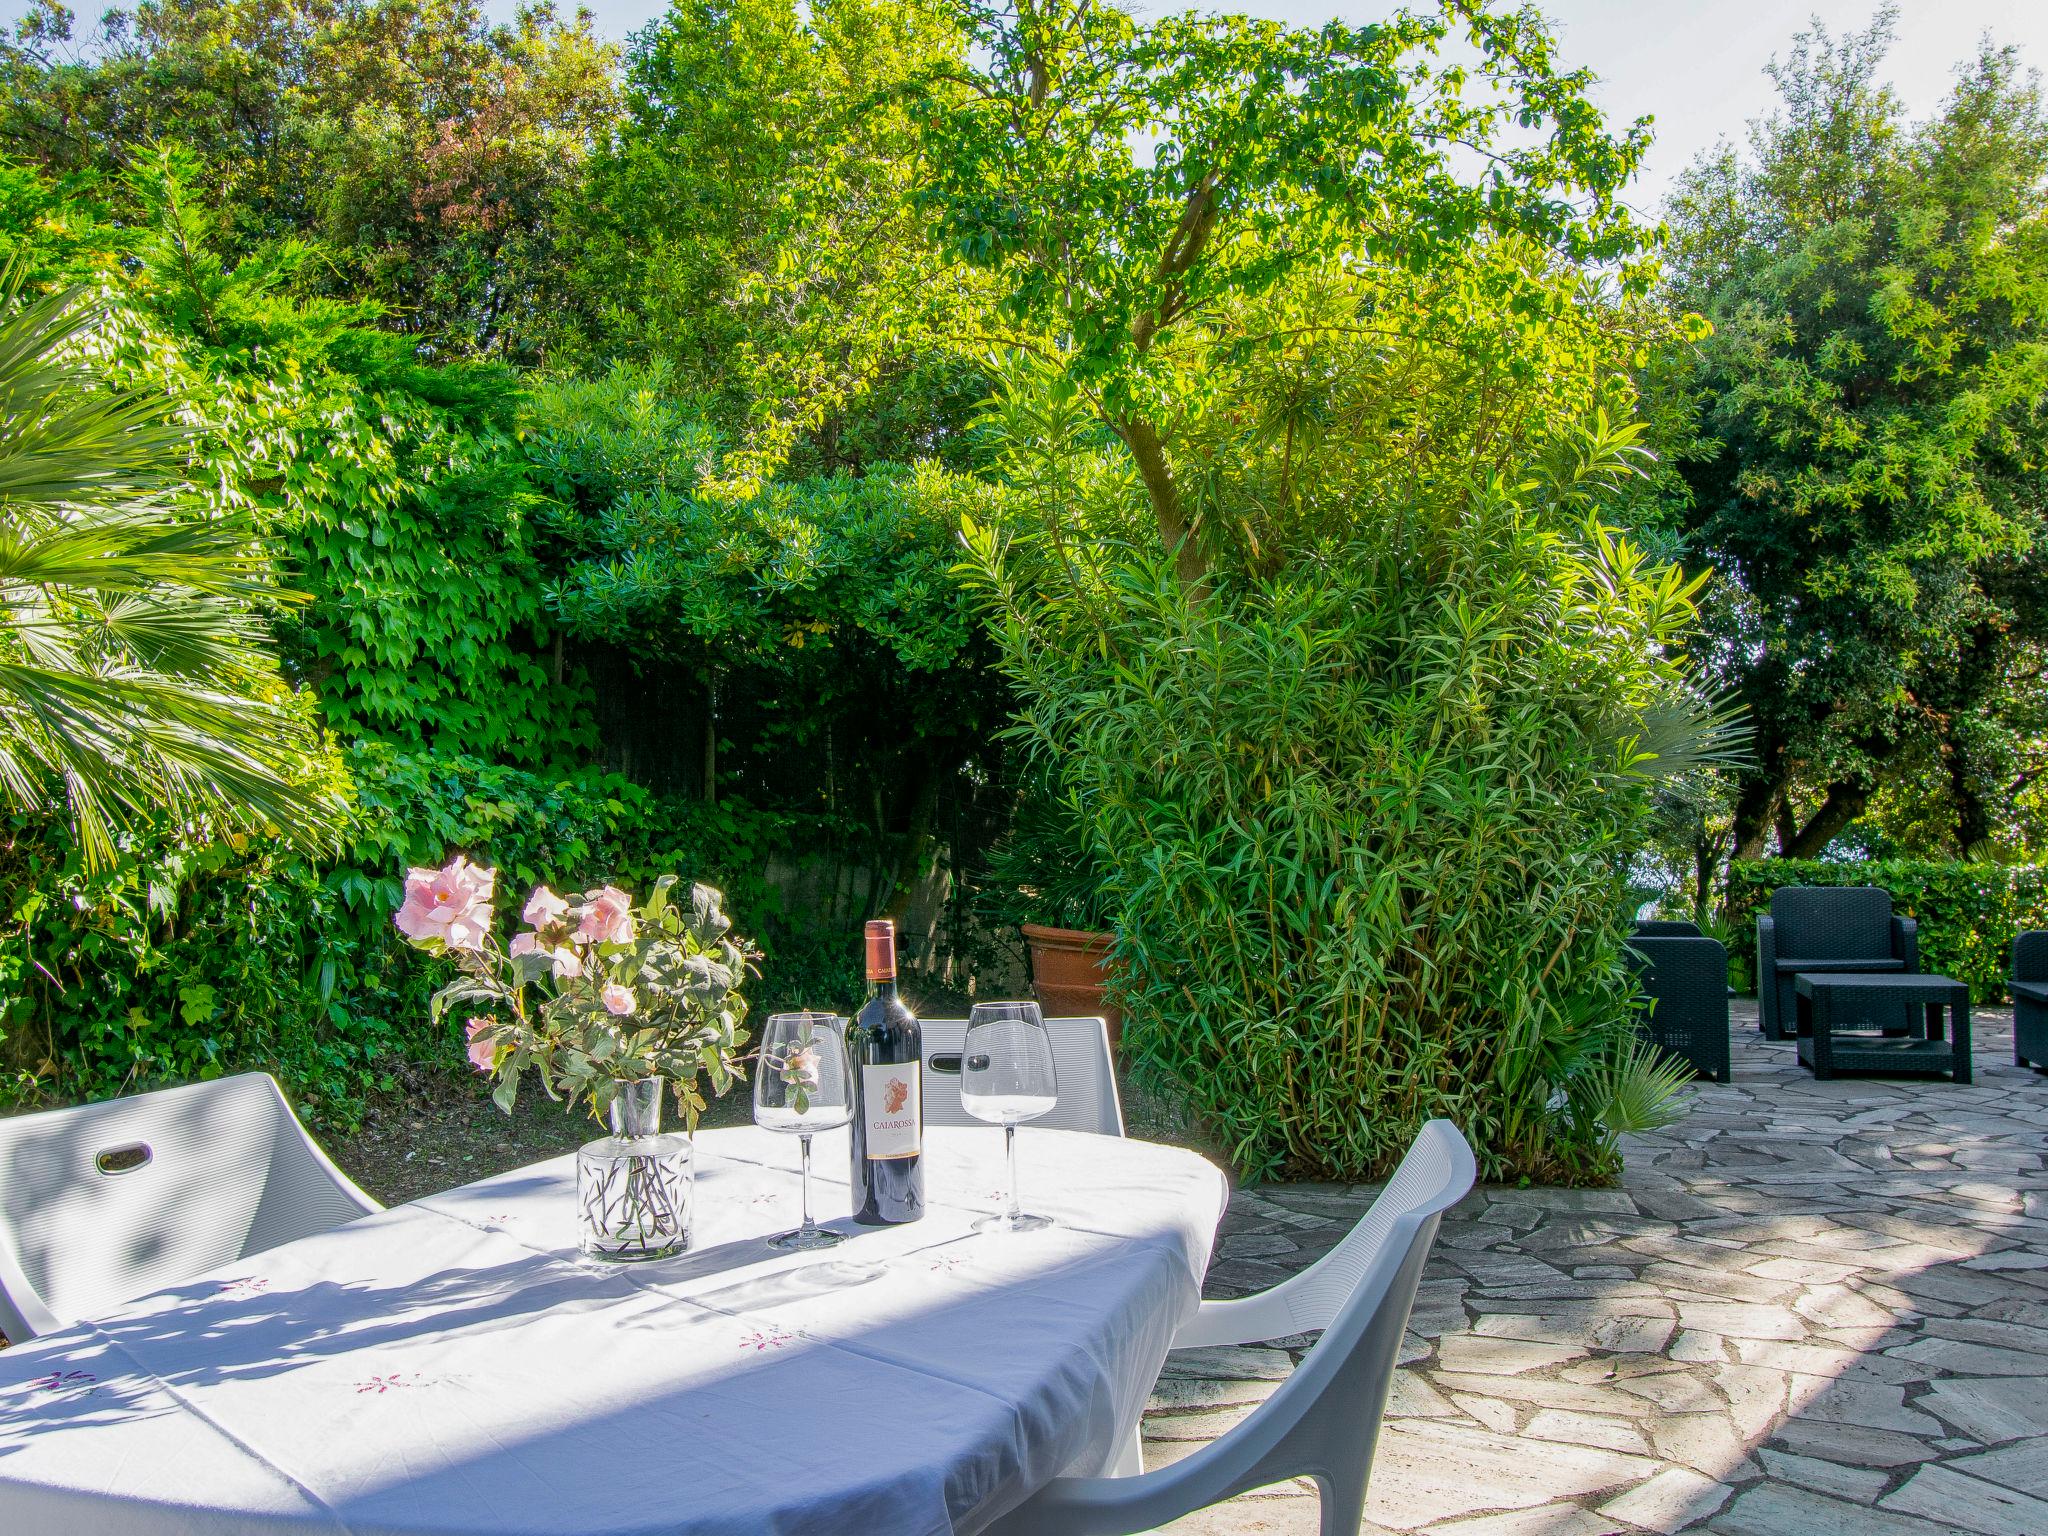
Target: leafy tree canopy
(423, 146)
(1339, 684)
(757, 198)
(1870, 466)
(1127, 184)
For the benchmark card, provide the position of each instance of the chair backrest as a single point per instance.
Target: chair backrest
(1673, 967)
(2030, 956)
(102, 1203)
(1080, 1055)
(1324, 1420)
(1684, 981)
(1833, 922)
(1665, 928)
(1311, 1300)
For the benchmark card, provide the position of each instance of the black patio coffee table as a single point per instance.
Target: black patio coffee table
(1921, 1049)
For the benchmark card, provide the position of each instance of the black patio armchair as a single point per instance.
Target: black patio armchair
(1837, 928)
(1684, 974)
(2029, 988)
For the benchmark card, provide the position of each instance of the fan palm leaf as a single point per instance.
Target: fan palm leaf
(136, 675)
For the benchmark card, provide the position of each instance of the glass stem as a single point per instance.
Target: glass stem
(1010, 1151)
(806, 1140)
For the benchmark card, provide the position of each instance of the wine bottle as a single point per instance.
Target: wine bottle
(885, 1048)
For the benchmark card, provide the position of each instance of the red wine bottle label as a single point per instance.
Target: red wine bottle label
(881, 950)
(892, 1098)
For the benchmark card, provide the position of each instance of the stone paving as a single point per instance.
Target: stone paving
(1812, 1309)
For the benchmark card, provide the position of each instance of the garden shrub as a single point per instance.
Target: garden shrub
(448, 529)
(1968, 913)
(189, 958)
(393, 494)
(1365, 823)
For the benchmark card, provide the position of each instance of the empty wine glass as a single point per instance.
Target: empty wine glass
(800, 1087)
(1006, 1078)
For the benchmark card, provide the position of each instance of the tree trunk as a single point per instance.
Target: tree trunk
(711, 741)
(917, 837)
(1980, 672)
(1844, 803)
(1756, 806)
(1148, 451)
(1786, 820)
(1759, 793)
(1973, 815)
(1706, 862)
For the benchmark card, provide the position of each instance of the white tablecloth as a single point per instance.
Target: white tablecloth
(455, 1366)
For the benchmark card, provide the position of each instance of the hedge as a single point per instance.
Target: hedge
(1968, 913)
(185, 961)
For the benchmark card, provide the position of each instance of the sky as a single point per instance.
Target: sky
(1695, 65)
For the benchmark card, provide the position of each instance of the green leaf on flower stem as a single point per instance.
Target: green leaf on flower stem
(657, 900)
(506, 1092)
(707, 917)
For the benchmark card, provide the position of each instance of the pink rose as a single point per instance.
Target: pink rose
(606, 917)
(619, 1000)
(483, 1054)
(544, 908)
(451, 904)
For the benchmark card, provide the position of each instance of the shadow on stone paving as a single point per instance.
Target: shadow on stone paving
(1811, 1308)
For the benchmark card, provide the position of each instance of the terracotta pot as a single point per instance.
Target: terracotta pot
(1067, 966)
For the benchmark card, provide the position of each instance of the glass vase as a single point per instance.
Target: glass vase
(633, 1187)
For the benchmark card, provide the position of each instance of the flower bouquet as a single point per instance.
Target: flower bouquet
(603, 999)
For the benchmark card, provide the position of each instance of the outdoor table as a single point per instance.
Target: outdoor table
(454, 1365)
(1923, 1049)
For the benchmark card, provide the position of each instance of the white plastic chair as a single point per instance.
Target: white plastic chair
(105, 1202)
(1080, 1055)
(1324, 1420)
(1309, 1301)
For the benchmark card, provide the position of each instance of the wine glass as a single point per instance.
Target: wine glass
(800, 1087)
(1006, 1078)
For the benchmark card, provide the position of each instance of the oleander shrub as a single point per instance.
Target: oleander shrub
(1968, 913)
(1363, 818)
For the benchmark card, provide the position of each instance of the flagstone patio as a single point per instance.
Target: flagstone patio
(1811, 1309)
